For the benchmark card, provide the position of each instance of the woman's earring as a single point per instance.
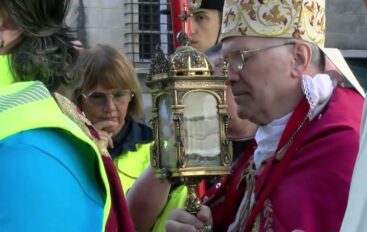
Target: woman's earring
(1, 43)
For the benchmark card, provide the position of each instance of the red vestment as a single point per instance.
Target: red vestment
(307, 186)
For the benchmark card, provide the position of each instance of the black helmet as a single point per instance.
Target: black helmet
(205, 4)
(212, 4)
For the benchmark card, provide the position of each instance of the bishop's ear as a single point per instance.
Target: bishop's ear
(302, 56)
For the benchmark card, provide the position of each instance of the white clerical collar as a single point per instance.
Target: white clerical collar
(267, 138)
(318, 90)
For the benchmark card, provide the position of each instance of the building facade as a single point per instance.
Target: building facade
(136, 27)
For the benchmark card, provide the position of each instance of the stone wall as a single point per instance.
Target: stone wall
(104, 21)
(346, 24)
(99, 21)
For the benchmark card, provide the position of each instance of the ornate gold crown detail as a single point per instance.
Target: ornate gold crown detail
(185, 61)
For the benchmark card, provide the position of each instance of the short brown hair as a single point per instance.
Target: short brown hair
(105, 65)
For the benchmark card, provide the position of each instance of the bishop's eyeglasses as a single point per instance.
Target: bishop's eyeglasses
(236, 59)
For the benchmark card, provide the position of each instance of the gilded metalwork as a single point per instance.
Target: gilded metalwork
(193, 204)
(159, 64)
(189, 72)
(189, 119)
(190, 85)
(183, 38)
(187, 61)
(227, 159)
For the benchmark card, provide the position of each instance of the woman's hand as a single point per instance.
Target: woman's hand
(105, 136)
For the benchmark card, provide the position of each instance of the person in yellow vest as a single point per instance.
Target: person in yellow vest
(53, 176)
(111, 98)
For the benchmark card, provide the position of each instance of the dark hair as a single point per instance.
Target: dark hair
(205, 4)
(108, 67)
(45, 51)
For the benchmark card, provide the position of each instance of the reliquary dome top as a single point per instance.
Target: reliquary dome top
(185, 61)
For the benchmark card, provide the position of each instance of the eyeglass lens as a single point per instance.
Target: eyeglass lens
(100, 98)
(236, 59)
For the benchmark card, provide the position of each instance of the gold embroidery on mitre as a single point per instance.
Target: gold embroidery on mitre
(300, 19)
